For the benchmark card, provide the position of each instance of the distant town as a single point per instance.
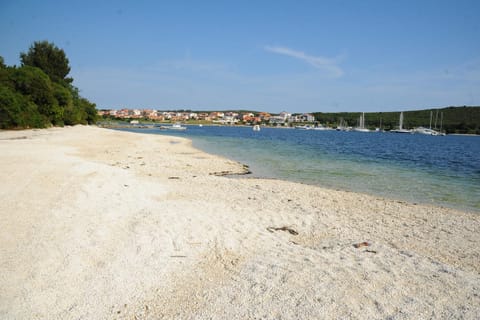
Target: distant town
(462, 119)
(220, 117)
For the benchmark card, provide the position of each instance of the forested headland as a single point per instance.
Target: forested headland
(464, 119)
(39, 93)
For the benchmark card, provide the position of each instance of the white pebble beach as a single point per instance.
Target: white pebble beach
(104, 224)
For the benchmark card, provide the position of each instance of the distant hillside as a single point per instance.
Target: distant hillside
(455, 119)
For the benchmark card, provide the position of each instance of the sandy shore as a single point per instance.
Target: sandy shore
(101, 224)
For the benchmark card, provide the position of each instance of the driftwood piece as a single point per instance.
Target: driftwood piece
(284, 228)
(361, 244)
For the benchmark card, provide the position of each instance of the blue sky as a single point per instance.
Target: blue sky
(296, 56)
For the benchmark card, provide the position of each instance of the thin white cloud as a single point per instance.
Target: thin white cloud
(322, 63)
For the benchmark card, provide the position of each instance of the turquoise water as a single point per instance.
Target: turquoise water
(426, 169)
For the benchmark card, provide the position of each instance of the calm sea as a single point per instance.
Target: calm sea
(417, 168)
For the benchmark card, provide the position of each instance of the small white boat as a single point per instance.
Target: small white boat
(344, 129)
(361, 129)
(426, 131)
(321, 128)
(303, 127)
(401, 131)
(256, 127)
(176, 126)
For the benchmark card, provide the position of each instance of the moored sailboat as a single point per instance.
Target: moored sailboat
(361, 124)
(429, 131)
(400, 126)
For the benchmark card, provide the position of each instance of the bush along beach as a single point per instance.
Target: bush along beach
(39, 93)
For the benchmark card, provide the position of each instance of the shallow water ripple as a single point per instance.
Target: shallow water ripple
(427, 169)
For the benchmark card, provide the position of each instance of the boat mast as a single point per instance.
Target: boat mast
(441, 121)
(431, 115)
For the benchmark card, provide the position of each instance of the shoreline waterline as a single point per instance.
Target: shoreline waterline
(343, 161)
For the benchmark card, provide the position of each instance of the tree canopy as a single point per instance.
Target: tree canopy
(51, 59)
(38, 93)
